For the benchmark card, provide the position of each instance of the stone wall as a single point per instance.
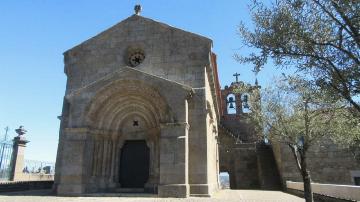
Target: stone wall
(327, 163)
(333, 192)
(35, 177)
(317, 197)
(212, 121)
(25, 185)
(170, 53)
(240, 161)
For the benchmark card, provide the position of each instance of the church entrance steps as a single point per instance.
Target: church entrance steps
(130, 190)
(122, 194)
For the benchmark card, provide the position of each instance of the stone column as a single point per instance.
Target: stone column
(17, 165)
(174, 160)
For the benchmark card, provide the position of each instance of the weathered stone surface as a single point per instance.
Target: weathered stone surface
(168, 100)
(249, 166)
(17, 165)
(327, 162)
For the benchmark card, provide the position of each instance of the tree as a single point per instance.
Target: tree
(297, 113)
(347, 131)
(320, 38)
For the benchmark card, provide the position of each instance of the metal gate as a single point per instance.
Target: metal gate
(6, 148)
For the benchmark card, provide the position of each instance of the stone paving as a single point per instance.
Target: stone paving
(222, 196)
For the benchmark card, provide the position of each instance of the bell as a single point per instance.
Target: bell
(246, 105)
(245, 98)
(231, 105)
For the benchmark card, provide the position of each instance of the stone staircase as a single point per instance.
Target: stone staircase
(230, 133)
(240, 129)
(268, 171)
(247, 151)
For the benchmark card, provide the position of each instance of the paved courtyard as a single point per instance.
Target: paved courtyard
(222, 196)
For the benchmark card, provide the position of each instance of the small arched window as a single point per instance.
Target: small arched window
(231, 104)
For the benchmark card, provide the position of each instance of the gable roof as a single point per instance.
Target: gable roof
(133, 19)
(130, 73)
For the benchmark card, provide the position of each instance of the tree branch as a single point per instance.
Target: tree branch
(334, 18)
(347, 52)
(345, 92)
(296, 156)
(347, 22)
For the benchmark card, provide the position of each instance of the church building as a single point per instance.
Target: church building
(143, 112)
(140, 113)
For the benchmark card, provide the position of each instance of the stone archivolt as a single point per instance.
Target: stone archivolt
(119, 102)
(111, 114)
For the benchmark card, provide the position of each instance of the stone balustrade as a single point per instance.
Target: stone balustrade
(35, 177)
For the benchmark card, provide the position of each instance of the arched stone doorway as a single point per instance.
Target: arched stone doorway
(125, 117)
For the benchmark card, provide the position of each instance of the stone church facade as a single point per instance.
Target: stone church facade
(140, 113)
(143, 112)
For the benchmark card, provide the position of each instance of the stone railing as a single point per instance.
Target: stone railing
(347, 192)
(35, 177)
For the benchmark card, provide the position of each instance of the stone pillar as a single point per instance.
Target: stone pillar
(75, 170)
(17, 165)
(174, 160)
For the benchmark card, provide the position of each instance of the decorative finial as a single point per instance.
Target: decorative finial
(137, 9)
(20, 131)
(256, 82)
(236, 76)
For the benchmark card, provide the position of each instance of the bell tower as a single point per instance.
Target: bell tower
(238, 101)
(244, 155)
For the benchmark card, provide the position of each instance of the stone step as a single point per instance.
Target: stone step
(135, 195)
(130, 190)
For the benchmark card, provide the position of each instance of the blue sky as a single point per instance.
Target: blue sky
(35, 33)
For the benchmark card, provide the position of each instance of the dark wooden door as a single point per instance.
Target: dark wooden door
(134, 164)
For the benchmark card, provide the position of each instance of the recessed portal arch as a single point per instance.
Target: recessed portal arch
(125, 112)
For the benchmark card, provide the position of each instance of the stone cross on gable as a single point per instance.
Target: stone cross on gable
(236, 76)
(137, 9)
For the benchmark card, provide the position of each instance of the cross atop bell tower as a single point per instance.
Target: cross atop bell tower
(236, 76)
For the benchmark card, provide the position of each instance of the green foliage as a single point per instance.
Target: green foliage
(285, 107)
(294, 109)
(320, 38)
(299, 114)
(346, 130)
